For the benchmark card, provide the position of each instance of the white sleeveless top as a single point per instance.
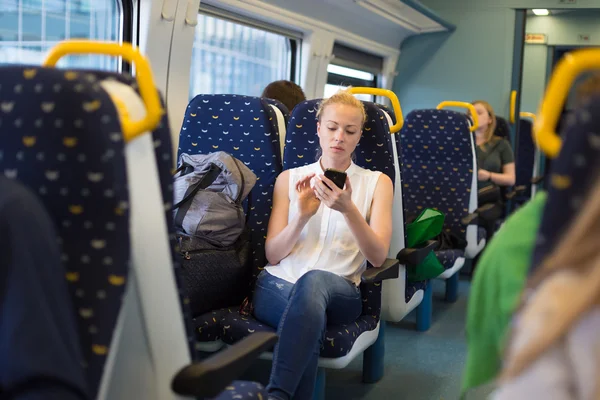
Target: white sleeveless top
(326, 242)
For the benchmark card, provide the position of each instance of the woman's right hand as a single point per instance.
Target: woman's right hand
(308, 203)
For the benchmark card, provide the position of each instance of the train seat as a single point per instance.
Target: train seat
(502, 128)
(283, 117)
(573, 173)
(438, 157)
(246, 128)
(401, 296)
(524, 160)
(343, 343)
(56, 146)
(108, 200)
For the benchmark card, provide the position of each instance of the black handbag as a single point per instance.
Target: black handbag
(215, 277)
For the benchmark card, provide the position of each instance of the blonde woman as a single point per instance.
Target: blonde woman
(495, 158)
(554, 351)
(319, 240)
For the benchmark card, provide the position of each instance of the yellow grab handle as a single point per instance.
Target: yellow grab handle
(154, 110)
(390, 95)
(532, 116)
(513, 106)
(462, 104)
(565, 73)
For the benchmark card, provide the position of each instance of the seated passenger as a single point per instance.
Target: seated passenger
(318, 242)
(553, 352)
(495, 158)
(286, 92)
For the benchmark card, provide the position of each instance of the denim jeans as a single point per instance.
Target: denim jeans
(301, 312)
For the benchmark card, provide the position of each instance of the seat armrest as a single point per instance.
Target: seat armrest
(537, 179)
(208, 378)
(487, 212)
(416, 255)
(389, 270)
(517, 191)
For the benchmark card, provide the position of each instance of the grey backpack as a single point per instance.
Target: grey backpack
(209, 190)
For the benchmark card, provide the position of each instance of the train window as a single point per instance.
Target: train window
(31, 27)
(236, 56)
(351, 67)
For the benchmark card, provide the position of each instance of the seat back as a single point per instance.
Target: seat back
(572, 175)
(163, 154)
(374, 152)
(438, 159)
(61, 137)
(525, 156)
(244, 127)
(502, 128)
(283, 117)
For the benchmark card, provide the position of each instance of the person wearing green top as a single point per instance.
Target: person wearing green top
(495, 158)
(495, 292)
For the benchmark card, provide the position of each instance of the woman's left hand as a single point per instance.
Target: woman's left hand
(483, 175)
(332, 196)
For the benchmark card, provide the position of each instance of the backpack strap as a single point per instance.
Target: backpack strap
(185, 203)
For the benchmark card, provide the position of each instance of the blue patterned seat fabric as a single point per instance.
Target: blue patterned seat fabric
(573, 174)
(281, 107)
(437, 161)
(164, 157)
(244, 127)
(241, 390)
(62, 138)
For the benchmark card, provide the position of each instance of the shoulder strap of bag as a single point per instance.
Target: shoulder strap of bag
(186, 202)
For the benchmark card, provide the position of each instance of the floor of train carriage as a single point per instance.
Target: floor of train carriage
(418, 366)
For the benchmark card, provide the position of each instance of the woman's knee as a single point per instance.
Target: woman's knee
(317, 278)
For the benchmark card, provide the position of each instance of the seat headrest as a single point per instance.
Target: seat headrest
(374, 150)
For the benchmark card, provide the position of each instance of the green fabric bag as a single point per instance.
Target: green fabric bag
(426, 226)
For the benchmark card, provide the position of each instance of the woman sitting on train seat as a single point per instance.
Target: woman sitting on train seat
(318, 242)
(554, 352)
(286, 92)
(495, 158)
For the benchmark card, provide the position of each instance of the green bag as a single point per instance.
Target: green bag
(426, 226)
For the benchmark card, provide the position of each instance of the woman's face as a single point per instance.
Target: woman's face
(339, 130)
(483, 116)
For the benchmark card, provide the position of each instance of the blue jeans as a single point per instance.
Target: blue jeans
(301, 312)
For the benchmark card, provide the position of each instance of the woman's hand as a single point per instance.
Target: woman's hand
(332, 196)
(308, 203)
(483, 175)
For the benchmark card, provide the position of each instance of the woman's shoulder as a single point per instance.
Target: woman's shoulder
(366, 172)
(500, 141)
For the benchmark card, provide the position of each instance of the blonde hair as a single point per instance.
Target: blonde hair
(582, 292)
(489, 133)
(343, 96)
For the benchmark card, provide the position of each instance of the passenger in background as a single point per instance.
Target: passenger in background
(313, 276)
(554, 349)
(495, 158)
(286, 92)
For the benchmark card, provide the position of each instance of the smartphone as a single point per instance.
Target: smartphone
(337, 177)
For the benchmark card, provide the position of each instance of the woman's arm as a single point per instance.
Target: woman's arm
(374, 238)
(281, 235)
(506, 178)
